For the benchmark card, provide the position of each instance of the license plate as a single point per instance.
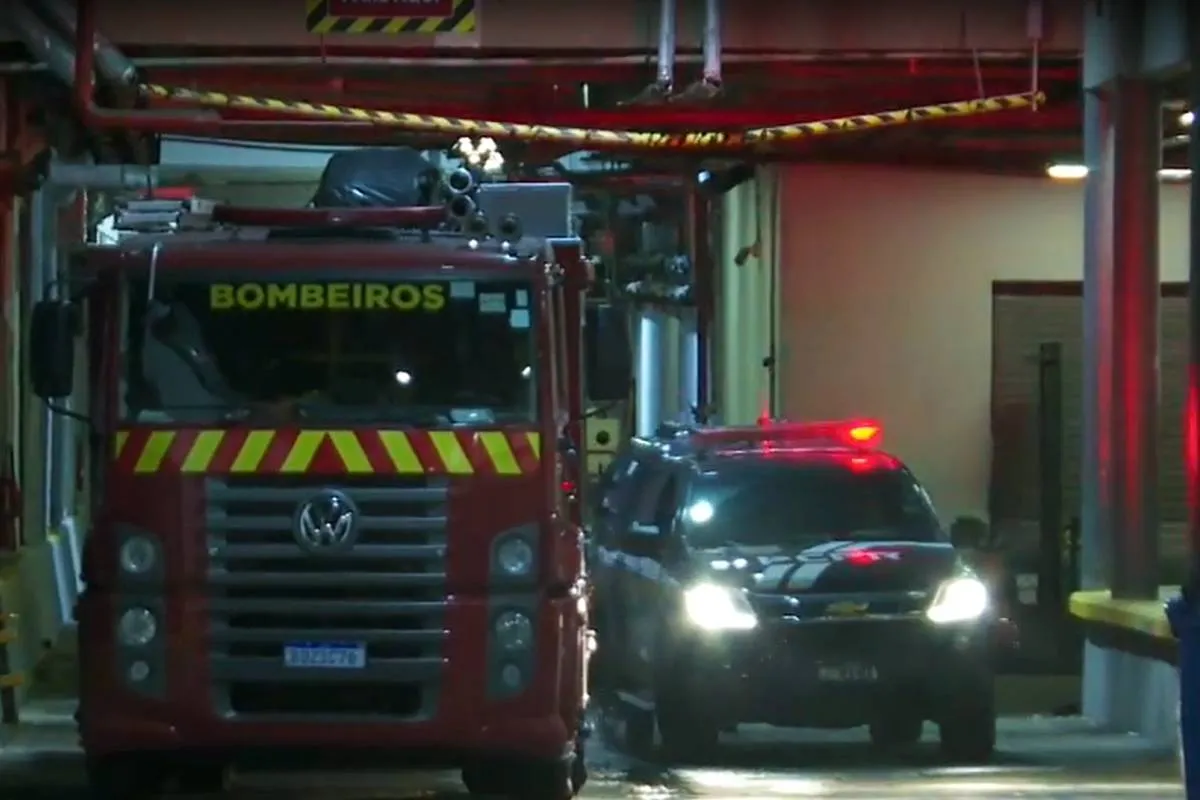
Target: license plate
(325, 656)
(847, 673)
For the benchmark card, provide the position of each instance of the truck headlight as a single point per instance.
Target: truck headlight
(138, 554)
(513, 631)
(718, 608)
(137, 627)
(514, 557)
(959, 600)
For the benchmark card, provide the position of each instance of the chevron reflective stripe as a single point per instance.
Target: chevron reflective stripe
(190, 451)
(599, 137)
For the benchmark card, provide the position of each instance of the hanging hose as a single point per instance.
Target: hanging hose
(589, 137)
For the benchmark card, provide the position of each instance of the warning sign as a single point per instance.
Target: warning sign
(392, 16)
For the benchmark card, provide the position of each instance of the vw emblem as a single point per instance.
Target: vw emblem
(328, 521)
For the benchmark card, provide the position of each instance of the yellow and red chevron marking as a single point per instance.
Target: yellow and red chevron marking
(214, 451)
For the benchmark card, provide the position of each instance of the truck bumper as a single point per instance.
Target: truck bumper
(190, 708)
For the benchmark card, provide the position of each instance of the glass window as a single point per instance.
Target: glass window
(777, 503)
(413, 352)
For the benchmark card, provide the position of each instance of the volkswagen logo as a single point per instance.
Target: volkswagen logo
(328, 521)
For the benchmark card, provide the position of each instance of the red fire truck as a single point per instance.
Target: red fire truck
(334, 481)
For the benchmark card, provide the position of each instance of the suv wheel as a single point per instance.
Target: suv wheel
(896, 730)
(968, 732)
(685, 734)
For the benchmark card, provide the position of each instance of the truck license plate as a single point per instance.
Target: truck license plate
(847, 673)
(325, 656)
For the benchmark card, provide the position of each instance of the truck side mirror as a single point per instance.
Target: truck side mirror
(968, 533)
(608, 354)
(52, 349)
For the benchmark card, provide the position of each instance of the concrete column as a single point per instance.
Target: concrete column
(649, 384)
(689, 365)
(1122, 140)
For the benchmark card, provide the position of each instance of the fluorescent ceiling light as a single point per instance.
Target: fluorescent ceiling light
(1077, 172)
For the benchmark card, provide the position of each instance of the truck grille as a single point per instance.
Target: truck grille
(386, 593)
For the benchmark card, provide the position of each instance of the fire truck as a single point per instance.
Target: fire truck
(334, 472)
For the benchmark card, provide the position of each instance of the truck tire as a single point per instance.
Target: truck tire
(125, 776)
(523, 780)
(202, 777)
(545, 780)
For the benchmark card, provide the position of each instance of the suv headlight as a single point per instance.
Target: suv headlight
(139, 555)
(718, 608)
(959, 600)
(137, 627)
(514, 556)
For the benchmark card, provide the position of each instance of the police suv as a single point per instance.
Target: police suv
(789, 574)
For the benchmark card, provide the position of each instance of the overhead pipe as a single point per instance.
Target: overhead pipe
(111, 63)
(709, 84)
(77, 67)
(664, 79)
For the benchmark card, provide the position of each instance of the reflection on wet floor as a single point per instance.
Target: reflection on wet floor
(1050, 759)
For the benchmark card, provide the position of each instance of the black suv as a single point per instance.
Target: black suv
(790, 574)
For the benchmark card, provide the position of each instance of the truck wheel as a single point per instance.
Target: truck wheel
(125, 776)
(895, 731)
(545, 780)
(968, 732)
(487, 778)
(202, 777)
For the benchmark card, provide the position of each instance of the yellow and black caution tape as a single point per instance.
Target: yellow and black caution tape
(593, 137)
(905, 116)
(321, 17)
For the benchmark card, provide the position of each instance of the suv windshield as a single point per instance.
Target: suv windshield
(781, 504)
(402, 351)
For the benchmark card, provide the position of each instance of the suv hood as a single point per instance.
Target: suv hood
(834, 567)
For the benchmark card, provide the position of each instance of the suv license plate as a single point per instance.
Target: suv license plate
(847, 673)
(325, 656)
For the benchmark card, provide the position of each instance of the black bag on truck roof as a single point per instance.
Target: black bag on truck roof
(377, 177)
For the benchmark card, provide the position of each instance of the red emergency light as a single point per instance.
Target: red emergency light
(852, 433)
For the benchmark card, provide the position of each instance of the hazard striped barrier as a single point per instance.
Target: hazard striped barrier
(331, 16)
(149, 451)
(593, 137)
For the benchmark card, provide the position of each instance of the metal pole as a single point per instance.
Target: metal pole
(712, 42)
(1095, 488)
(666, 46)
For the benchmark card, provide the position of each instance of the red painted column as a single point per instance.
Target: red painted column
(1123, 134)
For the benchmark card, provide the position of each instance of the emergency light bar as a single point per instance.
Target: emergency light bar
(852, 433)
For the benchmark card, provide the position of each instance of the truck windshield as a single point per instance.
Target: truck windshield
(402, 351)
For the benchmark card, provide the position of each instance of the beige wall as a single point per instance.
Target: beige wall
(886, 300)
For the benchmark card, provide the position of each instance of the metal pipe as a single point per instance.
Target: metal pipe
(194, 122)
(102, 176)
(384, 62)
(712, 42)
(666, 46)
(42, 42)
(110, 62)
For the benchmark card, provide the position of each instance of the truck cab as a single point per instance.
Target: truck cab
(333, 471)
